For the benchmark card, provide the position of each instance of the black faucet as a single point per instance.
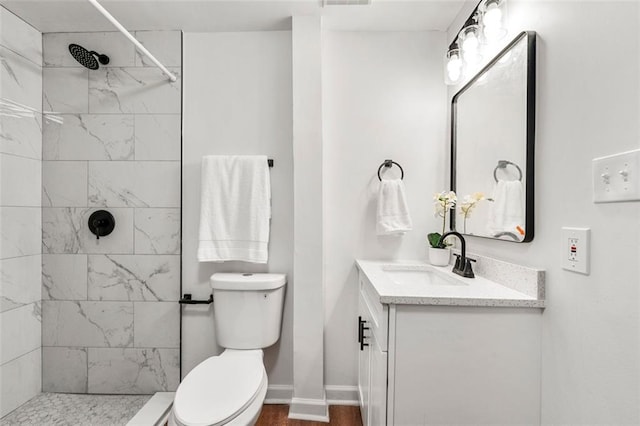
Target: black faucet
(462, 266)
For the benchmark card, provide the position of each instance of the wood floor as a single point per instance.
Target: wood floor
(339, 415)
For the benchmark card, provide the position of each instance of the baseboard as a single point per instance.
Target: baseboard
(336, 394)
(279, 394)
(342, 395)
(309, 409)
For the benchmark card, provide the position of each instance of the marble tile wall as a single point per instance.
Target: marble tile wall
(20, 211)
(111, 140)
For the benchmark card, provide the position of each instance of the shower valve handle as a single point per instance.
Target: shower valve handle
(96, 225)
(101, 223)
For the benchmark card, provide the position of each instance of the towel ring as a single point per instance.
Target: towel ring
(502, 164)
(389, 163)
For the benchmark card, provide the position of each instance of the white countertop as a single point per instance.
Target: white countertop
(440, 287)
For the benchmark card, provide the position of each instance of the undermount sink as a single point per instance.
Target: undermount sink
(418, 275)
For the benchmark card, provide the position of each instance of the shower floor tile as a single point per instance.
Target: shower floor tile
(64, 409)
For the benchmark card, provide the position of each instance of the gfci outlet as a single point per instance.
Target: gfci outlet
(576, 249)
(616, 177)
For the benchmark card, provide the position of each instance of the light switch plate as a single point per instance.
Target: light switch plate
(616, 177)
(576, 249)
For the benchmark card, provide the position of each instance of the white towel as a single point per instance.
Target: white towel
(235, 208)
(393, 213)
(507, 208)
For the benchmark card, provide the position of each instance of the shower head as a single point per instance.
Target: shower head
(87, 58)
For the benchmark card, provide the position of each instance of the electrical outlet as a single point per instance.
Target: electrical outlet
(616, 177)
(573, 249)
(576, 249)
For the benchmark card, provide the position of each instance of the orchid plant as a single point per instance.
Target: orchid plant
(469, 202)
(443, 202)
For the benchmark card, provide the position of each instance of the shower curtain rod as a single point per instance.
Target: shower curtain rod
(133, 40)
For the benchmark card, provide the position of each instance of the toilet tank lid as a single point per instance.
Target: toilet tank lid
(248, 281)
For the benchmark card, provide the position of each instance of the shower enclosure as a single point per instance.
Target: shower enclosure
(100, 316)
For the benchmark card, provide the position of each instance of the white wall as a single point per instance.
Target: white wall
(587, 106)
(237, 100)
(383, 97)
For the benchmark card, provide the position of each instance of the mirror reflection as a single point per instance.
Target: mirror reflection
(492, 146)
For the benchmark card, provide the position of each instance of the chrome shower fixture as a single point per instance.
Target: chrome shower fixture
(87, 58)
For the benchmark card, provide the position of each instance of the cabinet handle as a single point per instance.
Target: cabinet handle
(361, 336)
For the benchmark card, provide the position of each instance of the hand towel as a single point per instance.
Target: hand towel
(235, 209)
(393, 213)
(507, 209)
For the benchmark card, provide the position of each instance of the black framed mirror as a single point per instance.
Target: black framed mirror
(492, 146)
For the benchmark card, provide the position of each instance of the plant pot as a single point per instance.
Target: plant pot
(439, 256)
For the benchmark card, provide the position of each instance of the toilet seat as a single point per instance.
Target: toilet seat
(220, 388)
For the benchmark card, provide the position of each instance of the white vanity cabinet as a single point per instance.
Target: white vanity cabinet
(429, 364)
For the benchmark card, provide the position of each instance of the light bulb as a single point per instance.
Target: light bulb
(493, 16)
(470, 43)
(492, 20)
(453, 66)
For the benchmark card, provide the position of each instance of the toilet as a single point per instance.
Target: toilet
(229, 389)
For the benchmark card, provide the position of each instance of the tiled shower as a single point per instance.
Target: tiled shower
(20, 211)
(111, 139)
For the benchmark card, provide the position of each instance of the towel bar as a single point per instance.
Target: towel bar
(502, 164)
(389, 163)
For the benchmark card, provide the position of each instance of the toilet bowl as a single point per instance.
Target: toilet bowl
(229, 389)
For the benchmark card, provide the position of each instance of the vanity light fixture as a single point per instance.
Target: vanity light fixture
(483, 28)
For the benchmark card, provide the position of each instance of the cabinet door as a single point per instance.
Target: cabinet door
(463, 365)
(377, 384)
(364, 363)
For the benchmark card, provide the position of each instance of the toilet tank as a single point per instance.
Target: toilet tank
(247, 309)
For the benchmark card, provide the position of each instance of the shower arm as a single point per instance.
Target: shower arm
(133, 40)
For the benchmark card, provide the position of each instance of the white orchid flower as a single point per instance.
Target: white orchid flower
(442, 203)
